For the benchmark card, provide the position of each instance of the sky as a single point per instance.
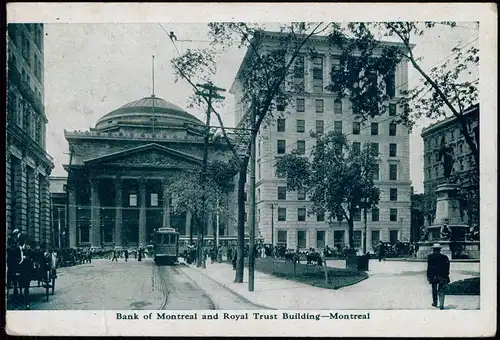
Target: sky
(92, 69)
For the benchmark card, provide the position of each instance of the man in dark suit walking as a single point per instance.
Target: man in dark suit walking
(438, 274)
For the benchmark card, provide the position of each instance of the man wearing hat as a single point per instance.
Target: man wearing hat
(438, 274)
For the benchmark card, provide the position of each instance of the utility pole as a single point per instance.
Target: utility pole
(251, 255)
(272, 205)
(210, 93)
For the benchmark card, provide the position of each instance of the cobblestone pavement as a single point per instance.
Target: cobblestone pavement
(103, 284)
(133, 285)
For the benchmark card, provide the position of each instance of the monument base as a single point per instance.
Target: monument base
(469, 249)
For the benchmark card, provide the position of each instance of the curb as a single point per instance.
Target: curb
(231, 290)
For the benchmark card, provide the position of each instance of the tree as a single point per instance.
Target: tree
(263, 79)
(187, 187)
(338, 178)
(367, 67)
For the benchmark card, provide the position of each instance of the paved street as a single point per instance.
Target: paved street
(134, 285)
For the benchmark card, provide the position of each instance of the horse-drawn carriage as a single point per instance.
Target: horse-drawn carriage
(26, 265)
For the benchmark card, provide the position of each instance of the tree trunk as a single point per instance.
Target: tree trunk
(350, 224)
(240, 263)
(365, 230)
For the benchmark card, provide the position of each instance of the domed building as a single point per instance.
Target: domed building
(118, 171)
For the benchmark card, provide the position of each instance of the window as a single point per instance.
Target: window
(281, 146)
(338, 238)
(393, 149)
(259, 170)
(392, 110)
(84, 234)
(154, 200)
(319, 105)
(318, 75)
(375, 215)
(393, 215)
(337, 107)
(300, 104)
(393, 236)
(393, 194)
(282, 238)
(356, 128)
(301, 147)
(280, 174)
(281, 125)
(301, 239)
(337, 127)
(301, 125)
(376, 170)
(280, 104)
(375, 237)
(356, 147)
(298, 70)
(392, 129)
(357, 215)
(320, 239)
(374, 149)
(301, 195)
(356, 238)
(282, 193)
(374, 127)
(320, 217)
(133, 200)
(246, 217)
(390, 88)
(258, 215)
(258, 195)
(393, 172)
(245, 196)
(301, 214)
(320, 126)
(281, 214)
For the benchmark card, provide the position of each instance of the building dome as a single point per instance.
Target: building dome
(140, 113)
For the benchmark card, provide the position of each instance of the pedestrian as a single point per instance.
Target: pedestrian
(235, 257)
(438, 274)
(126, 255)
(381, 251)
(114, 255)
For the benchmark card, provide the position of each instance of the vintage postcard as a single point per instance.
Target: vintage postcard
(226, 169)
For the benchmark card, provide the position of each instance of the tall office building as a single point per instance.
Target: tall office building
(28, 165)
(319, 111)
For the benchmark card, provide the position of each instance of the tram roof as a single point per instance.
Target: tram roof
(167, 230)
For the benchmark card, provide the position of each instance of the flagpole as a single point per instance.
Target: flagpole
(153, 95)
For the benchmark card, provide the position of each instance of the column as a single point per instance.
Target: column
(22, 199)
(95, 213)
(8, 192)
(37, 221)
(166, 205)
(188, 223)
(71, 228)
(48, 225)
(210, 226)
(142, 211)
(118, 211)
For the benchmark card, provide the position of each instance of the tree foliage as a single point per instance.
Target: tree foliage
(337, 178)
(367, 67)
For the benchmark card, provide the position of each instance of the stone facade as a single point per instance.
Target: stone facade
(118, 175)
(28, 166)
(319, 109)
(448, 128)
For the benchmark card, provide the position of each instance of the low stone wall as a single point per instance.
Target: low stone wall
(470, 249)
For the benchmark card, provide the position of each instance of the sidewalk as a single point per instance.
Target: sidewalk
(388, 287)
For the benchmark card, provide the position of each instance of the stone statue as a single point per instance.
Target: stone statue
(446, 154)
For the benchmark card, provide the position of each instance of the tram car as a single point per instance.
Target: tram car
(166, 246)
